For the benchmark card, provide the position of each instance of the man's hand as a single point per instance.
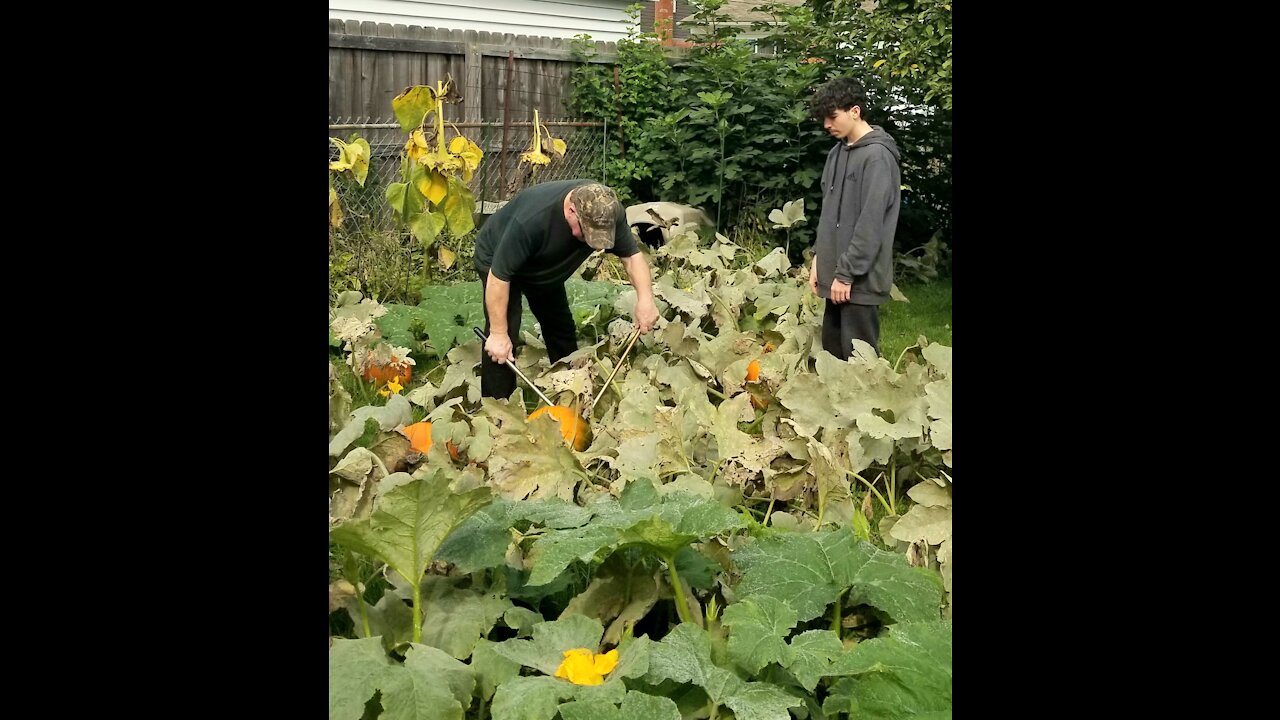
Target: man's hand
(840, 291)
(813, 276)
(646, 313)
(498, 346)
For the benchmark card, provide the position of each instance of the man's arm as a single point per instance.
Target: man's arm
(638, 271)
(514, 247)
(497, 293)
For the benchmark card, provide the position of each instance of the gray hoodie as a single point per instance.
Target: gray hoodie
(861, 189)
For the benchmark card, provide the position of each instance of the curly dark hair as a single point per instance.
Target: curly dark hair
(839, 94)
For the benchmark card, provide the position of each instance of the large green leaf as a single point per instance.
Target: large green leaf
(904, 675)
(635, 706)
(731, 441)
(429, 686)
(395, 325)
(530, 698)
(522, 620)
(631, 431)
(482, 541)
(693, 301)
(454, 619)
(451, 312)
(390, 617)
(426, 226)
(412, 106)
(812, 653)
(776, 298)
(758, 629)
(459, 205)
(404, 198)
(940, 428)
(588, 298)
(491, 668)
(620, 594)
(808, 571)
(435, 663)
(396, 412)
(357, 669)
(663, 525)
(554, 552)
(410, 521)
(536, 698)
(462, 374)
(545, 651)
(684, 655)
(535, 464)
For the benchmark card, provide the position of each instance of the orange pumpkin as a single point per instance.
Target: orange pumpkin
(381, 372)
(753, 374)
(419, 435)
(575, 430)
(753, 370)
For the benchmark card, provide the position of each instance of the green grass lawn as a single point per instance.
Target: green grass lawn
(928, 314)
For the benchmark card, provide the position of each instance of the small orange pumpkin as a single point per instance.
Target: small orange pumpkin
(419, 435)
(753, 370)
(575, 430)
(382, 372)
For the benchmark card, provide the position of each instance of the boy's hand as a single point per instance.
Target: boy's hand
(840, 291)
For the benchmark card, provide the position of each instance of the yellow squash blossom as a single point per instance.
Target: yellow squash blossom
(582, 667)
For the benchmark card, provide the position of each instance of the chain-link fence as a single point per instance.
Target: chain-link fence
(499, 176)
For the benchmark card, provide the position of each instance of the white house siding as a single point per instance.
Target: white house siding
(604, 20)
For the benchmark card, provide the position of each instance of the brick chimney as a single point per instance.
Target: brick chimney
(664, 13)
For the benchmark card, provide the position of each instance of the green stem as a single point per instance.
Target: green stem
(364, 614)
(688, 466)
(716, 392)
(417, 611)
(893, 484)
(440, 119)
(716, 472)
(885, 503)
(769, 512)
(904, 354)
(836, 616)
(682, 609)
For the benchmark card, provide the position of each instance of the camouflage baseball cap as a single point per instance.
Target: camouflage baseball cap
(598, 210)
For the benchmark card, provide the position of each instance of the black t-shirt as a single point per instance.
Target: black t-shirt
(529, 240)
